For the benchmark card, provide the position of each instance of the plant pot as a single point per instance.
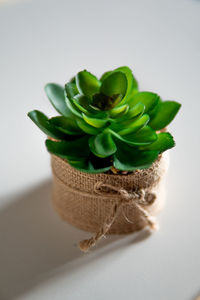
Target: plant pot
(87, 200)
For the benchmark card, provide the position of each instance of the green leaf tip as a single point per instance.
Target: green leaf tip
(102, 145)
(55, 94)
(115, 84)
(41, 120)
(106, 122)
(165, 113)
(87, 83)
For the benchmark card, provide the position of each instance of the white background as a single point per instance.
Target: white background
(50, 40)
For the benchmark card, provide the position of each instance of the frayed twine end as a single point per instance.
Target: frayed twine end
(85, 245)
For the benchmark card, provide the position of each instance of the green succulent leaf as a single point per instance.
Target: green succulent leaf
(66, 125)
(43, 123)
(135, 126)
(82, 103)
(102, 145)
(71, 90)
(119, 111)
(132, 82)
(73, 80)
(129, 159)
(153, 111)
(87, 83)
(79, 106)
(75, 102)
(132, 85)
(149, 99)
(114, 84)
(130, 96)
(146, 135)
(55, 93)
(95, 122)
(81, 164)
(130, 141)
(126, 120)
(86, 165)
(72, 150)
(87, 128)
(135, 111)
(164, 142)
(165, 113)
(105, 75)
(72, 107)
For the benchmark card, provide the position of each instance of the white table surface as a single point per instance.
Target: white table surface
(50, 40)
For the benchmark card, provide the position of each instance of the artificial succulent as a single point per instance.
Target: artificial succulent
(106, 122)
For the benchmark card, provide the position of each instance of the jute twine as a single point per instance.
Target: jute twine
(107, 204)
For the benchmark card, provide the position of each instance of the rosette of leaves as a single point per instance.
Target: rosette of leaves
(106, 122)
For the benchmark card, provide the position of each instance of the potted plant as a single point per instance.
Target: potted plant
(107, 149)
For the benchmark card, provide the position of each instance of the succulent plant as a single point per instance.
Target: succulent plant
(106, 122)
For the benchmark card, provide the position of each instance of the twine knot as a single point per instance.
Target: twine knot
(124, 198)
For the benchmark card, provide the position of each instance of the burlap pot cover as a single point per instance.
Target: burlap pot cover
(104, 203)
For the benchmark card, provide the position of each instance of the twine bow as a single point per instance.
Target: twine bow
(136, 199)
